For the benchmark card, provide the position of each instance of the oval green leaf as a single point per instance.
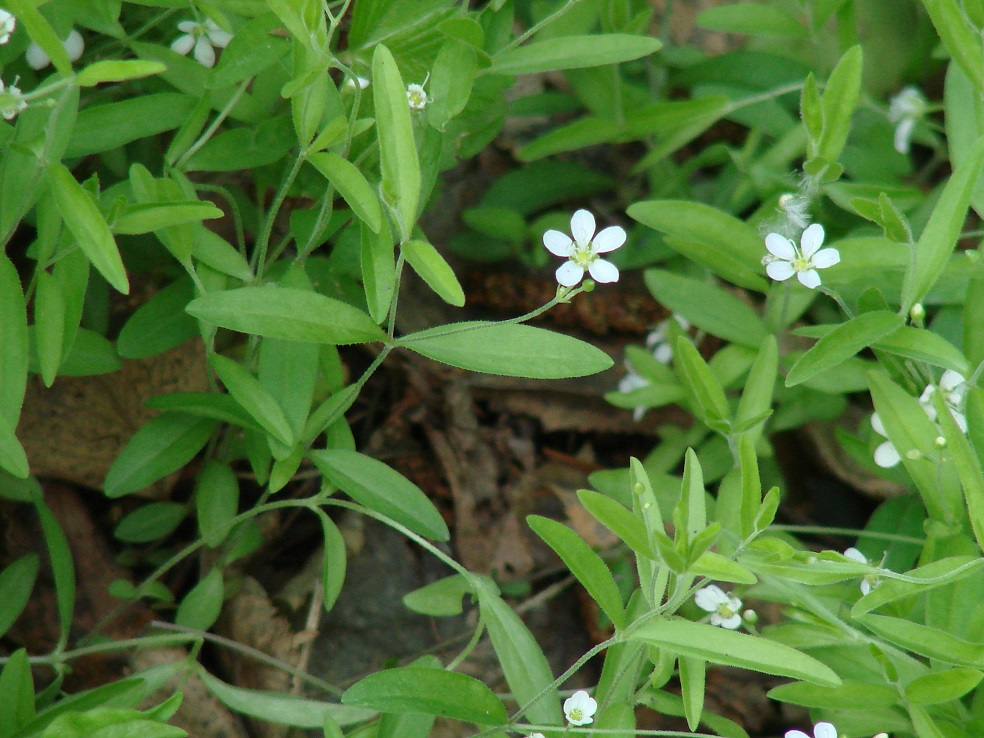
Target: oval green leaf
(431, 267)
(116, 70)
(351, 185)
(574, 52)
(942, 686)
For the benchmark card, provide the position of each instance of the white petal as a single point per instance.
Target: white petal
(74, 45)
(608, 240)
(557, 243)
(824, 730)
(36, 58)
(887, 456)
(216, 35)
(569, 274)
(810, 278)
(951, 380)
(855, 555)
(865, 586)
(811, 240)
(780, 246)
(960, 419)
(582, 226)
(187, 26)
(603, 271)
(903, 134)
(878, 425)
(663, 353)
(731, 623)
(826, 258)
(780, 270)
(204, 53)
(710, 598)
(796, 734)
(183, 44)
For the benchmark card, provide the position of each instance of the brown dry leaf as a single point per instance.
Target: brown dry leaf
(76, 428)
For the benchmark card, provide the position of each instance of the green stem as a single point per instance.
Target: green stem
(469, 647)
(109, 647)
(263, 242)
(538, 26)
(210, 131)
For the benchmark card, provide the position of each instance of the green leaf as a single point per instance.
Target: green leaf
(727, 246)
(429, 691)
(719, 568)
(527, 671)
(708, 307)
(573, 52)
(940, 235)
(451, 81)
(254, 397)
(205, 405)
(41, 33)
(942, 686)
(62, 566)
(382, 489)
(584, 132)
(150, 522)
(752, 20)
(378, 270)
(160, 324)
(286, 312)
(968, 465)
(442, 598)
(692, 673)
(16, 583)
(216, 502)
(842, 343)
(87, 225)
(926, 641)
(508, 349)
(163, 445)
(285, 709)
(103, 722)
(352, 185)
(16, 694)
(253, 49)
(333, 570)
(848, 696)
(200, 608)
(258, 145)
(589, 568)
(116, 70)
(923, 578)
(13, 344)
(840, 97)
(713, 405)
(151, 216)
(49, 325)
(431, 267)
(961, 41)
(12, 455)
(104, 127)
(722, 646)
(397, 151)
(620, 521)
(214, 251)
(925, 346)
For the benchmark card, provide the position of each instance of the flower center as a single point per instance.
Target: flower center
(583, 255)
(726, 612)
(802, 264)
(576, 714)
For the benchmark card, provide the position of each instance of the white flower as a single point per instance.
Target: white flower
(870, 581)
(820, 730)
(954, 389)
(16, 104)
(785, 259)
(583, 251)
(203, 38)
(725, 610)
(580, 708)
(886, 455)
(38, 59)
(351, 82)
(659, 339)
(7, 25)
(417, 96)
(905, 110)
(540, 735)
(631, 382)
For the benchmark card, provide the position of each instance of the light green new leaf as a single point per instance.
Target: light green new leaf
(848, 696)
(926, 577)
(620, 521)
(106, 722)
(16, 583)
(382, 489)
(333, 568)
(962, 41)
(940, 235)
(285, 709)
(431, 267)
(573, 52)
(116, 70)
(719, 568)
(352, 185)
(842, 343)
(286, 312)
(200, 608)
(442, 598)
(923, 345)
(707, 390)
(925, 641)
(508, 349)
(397, 150)
(708, 307)
(840, 97)
(751, 19)
(451, 82)
(87, 224)
(151, 216)
(254, 397)
(968, 465)
(942, 686)
(692, 681)
(418, 689)
(721, 646)
(589, 568)
(13, 344)
(378, 270)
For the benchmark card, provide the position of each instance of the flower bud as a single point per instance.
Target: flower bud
(918, 313)
(939, 442)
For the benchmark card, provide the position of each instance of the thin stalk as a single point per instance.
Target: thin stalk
(219, 120)
(263, 242)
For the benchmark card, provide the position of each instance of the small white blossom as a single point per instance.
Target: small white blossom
(870, 581)
(820, 730)
(351, 82)
(580, 708)
(954, 389)
(886, 455)
(631, 382)
(38, 59)
(905, 110)
(15, 104)
(785, 259)
(725, 610)
(659, 339)
(7, 25)
(417, 96)
(204, 38)
(583, 251)
(540, 735)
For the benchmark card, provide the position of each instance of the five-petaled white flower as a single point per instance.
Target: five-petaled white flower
(820, 730)
(954, 389)
(905, 110)
(203, 38)
(583, 251)
(15, 103)
(580, 708)
(38, 59)
(7, 25)
(785, 259)
(417, 96)
(870, 581)
(725, 610)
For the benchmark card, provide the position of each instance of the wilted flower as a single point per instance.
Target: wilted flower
(38, 59)
(725, 610)
(583, 251)
(820, 730)
(204, 38)
(905, 110)
(580, 708)
(15, 104)
(417, 96)
(870, 581)
(954, 389)
(659, 341)
(785, 259)
(7, 25)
